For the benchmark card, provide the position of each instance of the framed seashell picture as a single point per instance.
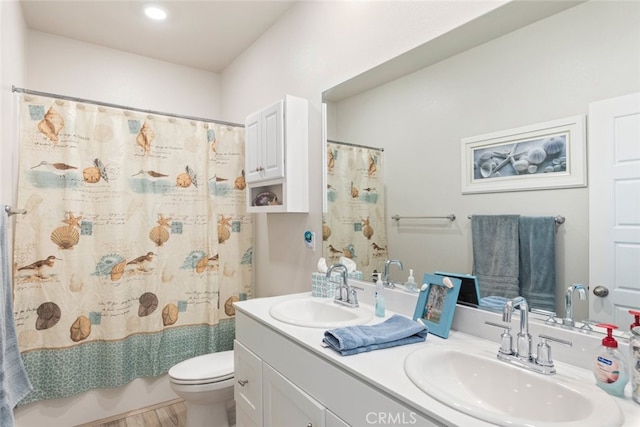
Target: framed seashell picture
(535, 157)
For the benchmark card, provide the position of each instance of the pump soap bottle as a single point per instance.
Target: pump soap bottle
(410, 285)
(379, 296)
(610, 368)
(634, 361)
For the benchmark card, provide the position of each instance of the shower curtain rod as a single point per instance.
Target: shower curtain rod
(124, 107)
(355, 145)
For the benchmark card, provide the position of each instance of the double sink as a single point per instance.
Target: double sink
(475, 384)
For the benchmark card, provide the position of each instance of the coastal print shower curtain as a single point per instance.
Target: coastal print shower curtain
(134, 246)
(354, 224)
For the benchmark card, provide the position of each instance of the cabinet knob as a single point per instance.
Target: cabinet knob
(243, 382)
(259, 169)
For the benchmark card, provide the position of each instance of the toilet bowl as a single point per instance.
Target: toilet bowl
(206, 385)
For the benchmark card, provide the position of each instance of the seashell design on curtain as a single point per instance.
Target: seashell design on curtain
(354, 224)
(135, 243)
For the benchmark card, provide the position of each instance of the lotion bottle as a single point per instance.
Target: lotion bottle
(610, 367)
(410, 285)
(379, 296)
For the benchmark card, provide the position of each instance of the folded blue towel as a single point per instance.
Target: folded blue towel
(494, 303)
(396, 330)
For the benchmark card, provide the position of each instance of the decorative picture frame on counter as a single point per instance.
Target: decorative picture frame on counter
(536, 157)
(437, 303)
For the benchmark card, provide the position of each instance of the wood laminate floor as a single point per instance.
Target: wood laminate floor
(173, 414)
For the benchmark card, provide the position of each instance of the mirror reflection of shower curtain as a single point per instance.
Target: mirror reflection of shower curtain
(134, 246)
(354, 224)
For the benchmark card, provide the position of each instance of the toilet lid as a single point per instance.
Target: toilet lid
(205, 368)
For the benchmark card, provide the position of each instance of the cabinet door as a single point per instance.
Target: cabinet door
(253, 138)
(247, 391)
(273, 143)
(334, 421)
(287, 405)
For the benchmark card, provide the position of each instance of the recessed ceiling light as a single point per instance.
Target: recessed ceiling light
(156, 13)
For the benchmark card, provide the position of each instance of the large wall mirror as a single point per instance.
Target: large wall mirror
(525, 63)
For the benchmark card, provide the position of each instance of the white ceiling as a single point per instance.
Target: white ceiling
(206, 35)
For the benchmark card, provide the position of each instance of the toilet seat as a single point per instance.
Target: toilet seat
(205, 369)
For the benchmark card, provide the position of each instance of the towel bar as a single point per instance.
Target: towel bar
(450, 217)
(559, 219)
(10, 211)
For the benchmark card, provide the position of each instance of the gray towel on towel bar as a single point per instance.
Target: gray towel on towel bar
(495, 254)
(538, 261)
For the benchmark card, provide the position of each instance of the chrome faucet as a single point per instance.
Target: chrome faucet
(568, 303)
(521, 355)
(523, 339)
(385, 276)
(350, 297)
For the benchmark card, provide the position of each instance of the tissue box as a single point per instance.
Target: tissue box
(321, 286)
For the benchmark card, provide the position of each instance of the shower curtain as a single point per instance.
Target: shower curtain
(354, 224)
(134, 246)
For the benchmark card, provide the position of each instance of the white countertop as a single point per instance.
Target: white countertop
(384, 369)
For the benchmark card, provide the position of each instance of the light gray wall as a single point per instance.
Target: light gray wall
(12, 52)
(549, 70)
(315, 46)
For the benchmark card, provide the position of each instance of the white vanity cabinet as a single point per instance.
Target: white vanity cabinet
(247, 391)
(276, 156)
(300, 387)
(266, 398)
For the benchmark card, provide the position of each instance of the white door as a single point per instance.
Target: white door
(614, 209)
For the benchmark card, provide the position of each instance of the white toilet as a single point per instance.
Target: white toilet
(206, 385)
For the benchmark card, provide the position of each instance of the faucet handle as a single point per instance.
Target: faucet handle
(504, 326)
(586, 325)
(353, 297)
(551, 315)
(506, 340)
(544, 350)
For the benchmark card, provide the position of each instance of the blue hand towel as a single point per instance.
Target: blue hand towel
(493, 303)
(14, 383)
(495, 254)
(538, 261)
(396, 330)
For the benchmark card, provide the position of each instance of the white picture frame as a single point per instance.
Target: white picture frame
(536, 157)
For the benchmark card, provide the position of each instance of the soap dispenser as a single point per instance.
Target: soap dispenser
(410, 284)
(379, 296)
(610, 368)
(634, 361)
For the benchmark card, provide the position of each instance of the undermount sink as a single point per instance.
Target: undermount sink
(315, 312)
(508, 395)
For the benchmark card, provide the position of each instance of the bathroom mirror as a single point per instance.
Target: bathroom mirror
(523, 64)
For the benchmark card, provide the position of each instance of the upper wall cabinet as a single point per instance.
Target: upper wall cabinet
(276, 157)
